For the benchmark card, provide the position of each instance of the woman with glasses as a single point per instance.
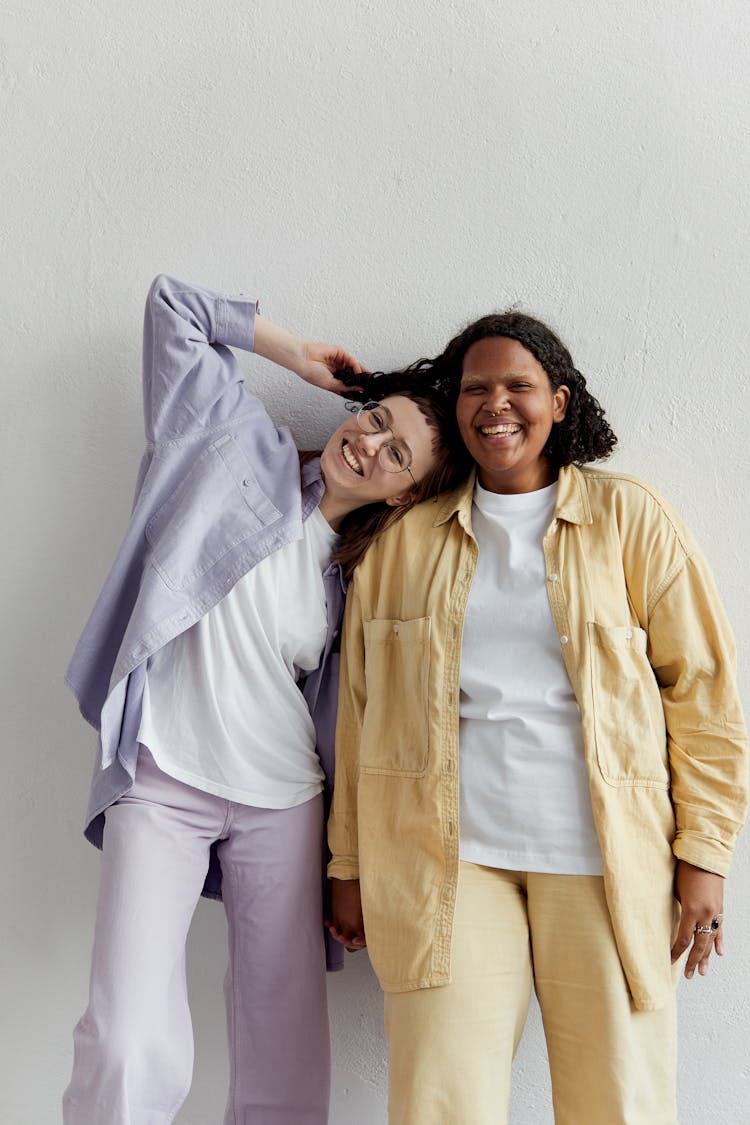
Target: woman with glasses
(541, 758)
(209, 668)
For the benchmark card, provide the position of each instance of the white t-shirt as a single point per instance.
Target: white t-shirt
(524, 794)
(221, 707)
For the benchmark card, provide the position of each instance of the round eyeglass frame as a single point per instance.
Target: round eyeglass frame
(366, 409)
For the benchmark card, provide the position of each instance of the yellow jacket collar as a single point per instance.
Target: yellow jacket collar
(572, 499)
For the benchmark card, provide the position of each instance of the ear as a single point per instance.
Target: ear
(402, 500)
(560, 400)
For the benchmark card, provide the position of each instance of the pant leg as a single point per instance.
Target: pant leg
(610, 1063)
(133, 1053)
(277, 1018)
(451, 1048)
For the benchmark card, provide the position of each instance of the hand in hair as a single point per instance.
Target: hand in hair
(318, 364)
(322, 364)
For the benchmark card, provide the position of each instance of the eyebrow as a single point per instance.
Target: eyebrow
(480, 380)
(400, 440)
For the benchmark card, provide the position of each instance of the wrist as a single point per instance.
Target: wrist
(279, 346)
(295, 355)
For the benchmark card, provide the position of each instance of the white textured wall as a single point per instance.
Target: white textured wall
(379, 174)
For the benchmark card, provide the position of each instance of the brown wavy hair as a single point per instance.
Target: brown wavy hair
(452, 465)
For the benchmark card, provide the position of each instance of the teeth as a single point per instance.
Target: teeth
(505, 428)
(350, 459)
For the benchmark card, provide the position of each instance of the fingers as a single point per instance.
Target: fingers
(351, 943)
(348, 925)
(325, 375)
(343, 368)
(334, 358)
(346, 359)
(700, 894)
(701, 939)
(339, 387)
(698, 956)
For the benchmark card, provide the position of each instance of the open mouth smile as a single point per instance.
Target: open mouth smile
(500, 429)
(351, 460)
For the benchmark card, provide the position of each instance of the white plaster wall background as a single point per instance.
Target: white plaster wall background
(378, 175)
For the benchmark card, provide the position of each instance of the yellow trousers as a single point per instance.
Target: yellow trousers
(451, 1048)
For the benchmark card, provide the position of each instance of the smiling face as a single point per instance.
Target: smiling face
(352, 473)
(506, 410)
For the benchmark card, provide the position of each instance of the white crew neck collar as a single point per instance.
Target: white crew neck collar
(535, 501)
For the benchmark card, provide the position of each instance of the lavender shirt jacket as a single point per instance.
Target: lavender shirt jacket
(218, 490)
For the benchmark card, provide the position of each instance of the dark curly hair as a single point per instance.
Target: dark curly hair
(584, 434)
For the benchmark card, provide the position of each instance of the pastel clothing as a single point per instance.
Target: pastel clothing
(134, 1045)
(218, 490)
(221, 707)
(220, 493)
(451, 1048)
(523, 793)
(650, 658)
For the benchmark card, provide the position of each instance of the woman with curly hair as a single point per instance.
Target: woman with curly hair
(541, 758)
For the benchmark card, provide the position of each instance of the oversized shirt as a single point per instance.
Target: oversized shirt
(524, 794)
(218, 490)
(650, 658)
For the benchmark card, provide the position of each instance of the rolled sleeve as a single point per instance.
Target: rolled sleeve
(693, 656)
(191, 380)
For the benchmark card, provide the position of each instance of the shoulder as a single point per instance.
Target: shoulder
(630, 500)
(405, 545)
(411, 528)
(608, 482)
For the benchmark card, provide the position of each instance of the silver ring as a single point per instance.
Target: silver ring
(716, 921)
(703, 930)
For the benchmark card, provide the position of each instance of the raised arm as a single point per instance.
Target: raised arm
(317, 364)
(191, 379)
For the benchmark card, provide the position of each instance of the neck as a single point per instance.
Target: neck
(524, 482)
(332, 512)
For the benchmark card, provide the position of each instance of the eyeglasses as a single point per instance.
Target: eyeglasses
(394, 456)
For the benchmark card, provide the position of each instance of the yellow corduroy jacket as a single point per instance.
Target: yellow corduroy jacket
(651, 660)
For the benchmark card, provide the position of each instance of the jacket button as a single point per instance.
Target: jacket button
(554, 577)
(396, 629)
(563, 639)
(246, 482)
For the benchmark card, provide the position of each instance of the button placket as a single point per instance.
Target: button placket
(554, 586)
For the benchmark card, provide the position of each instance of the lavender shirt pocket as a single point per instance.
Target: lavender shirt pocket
(216, 506)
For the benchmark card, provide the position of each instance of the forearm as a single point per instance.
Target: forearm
(278, 345)
(317, 363)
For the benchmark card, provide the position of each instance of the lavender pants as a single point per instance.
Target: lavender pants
(134, 1045)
